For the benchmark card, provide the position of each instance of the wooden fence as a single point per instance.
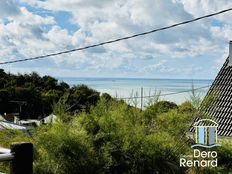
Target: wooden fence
(20, 156)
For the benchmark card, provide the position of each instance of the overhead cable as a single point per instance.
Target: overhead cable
(165, 94)
(116, 40)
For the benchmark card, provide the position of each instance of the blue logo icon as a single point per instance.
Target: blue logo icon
(205, 133)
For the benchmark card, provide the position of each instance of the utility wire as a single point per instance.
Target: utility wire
(117, 40)
(165, 94)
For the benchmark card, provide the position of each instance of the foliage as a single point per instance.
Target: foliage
(165, 106)
(186, 107)
(8, 137)
(153, 98)
(157, 107)
(40, 94)
(81, 98)
(113, 137)
(110, 138)
(61, 148)
(225, 155)
(134, 99)
(195, 99)
(123, 143)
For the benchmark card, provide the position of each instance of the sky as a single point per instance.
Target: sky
(30, 28)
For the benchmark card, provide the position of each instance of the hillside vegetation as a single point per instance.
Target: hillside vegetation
(39, 94)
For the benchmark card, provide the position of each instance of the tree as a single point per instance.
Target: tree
(2, 73)
(49, 83)
(63, 86)
(2, 83)
(81, 98)
(156, 108)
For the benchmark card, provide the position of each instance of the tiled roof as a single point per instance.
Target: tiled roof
(220, 106)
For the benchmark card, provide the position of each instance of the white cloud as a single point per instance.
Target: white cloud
(156, 65)
(9, 8)
(203, 7)
(24, 34)
(58, 36)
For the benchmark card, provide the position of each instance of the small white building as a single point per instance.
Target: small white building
(32, 123)
(49, 119)
(2, 118)
(9, 125)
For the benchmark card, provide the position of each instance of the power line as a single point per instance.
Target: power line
(117, 40)
(165, 94)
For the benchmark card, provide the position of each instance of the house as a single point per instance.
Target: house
(49, 119)
(11, 117)
(31, 123)
(220, 108)
(9, 125)
(2, 118)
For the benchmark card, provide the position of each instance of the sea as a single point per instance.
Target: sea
(175, 90)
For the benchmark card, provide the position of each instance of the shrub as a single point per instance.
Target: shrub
(62, 149)
(225, 155)
(165, 106)
(156, 108)
(112, 138)
(186, 107)
(124, 145)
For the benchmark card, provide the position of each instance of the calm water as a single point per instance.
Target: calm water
(126, 87)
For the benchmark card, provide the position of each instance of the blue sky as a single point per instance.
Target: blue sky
(31, 28)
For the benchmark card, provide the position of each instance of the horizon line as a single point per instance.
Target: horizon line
(142, 78)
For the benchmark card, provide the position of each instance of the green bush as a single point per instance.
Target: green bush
(165, 106)
(157, 108)
(225, 155)
(114, 138)
(62, 149)
(123, 143)
(186, 107)
(8, 137)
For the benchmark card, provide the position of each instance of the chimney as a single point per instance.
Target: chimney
(230, 54)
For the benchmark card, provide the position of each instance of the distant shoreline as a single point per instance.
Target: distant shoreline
(125, 87)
